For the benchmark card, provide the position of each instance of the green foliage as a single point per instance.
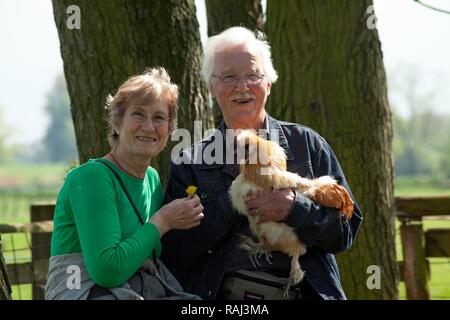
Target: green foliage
(422, 145)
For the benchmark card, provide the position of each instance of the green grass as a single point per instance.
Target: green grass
(22, 292)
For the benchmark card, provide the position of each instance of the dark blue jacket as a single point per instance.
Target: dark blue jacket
(198, 257)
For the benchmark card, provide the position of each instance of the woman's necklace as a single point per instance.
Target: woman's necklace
(122, 168)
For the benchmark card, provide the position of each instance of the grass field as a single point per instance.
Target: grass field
(44, 181)
(421, 186)
(32, 175)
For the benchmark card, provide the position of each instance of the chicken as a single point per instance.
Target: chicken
(264, 169)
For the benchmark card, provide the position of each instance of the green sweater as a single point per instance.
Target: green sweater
(94, 217)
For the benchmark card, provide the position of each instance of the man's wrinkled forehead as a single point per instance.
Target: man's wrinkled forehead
(241, 56)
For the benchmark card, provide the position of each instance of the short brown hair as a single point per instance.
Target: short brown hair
(153, 84)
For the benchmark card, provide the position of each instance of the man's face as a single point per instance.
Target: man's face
(242, 104)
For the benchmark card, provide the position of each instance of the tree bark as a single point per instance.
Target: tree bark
(222, 15)
(332, 79)
(225, 14)
(5, 287)
(118, 39)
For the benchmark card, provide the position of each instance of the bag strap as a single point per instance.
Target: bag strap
(124, 189)
(129, 199)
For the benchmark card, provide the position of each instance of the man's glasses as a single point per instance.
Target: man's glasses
(157, 120)
(233, 79)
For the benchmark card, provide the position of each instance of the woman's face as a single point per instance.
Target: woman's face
(144, 129)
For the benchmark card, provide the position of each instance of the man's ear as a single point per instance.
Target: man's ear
(269, 86)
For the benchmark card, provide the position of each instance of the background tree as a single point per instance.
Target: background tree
(225, 14)
(419, 149)
(59, 141)
(332, 78)
(118, 39)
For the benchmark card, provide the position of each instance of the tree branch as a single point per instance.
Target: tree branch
(431, 7)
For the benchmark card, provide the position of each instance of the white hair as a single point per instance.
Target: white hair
(236, 36)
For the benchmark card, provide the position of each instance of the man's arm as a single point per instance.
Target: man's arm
(319, 225)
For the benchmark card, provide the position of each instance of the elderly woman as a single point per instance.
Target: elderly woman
(109, 217)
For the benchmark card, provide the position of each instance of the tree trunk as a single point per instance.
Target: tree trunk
(225, 14)
(332, 78)
(5, 287)
(118, 39)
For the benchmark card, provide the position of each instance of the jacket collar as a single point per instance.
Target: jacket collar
(274, 127)
(275, 124)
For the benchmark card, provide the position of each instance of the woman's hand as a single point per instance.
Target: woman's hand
(179, 214)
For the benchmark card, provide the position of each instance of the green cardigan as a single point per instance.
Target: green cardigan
(94, 217)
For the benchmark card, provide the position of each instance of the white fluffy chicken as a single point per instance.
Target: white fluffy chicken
(264, 169)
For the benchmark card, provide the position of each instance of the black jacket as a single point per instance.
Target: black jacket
(198, 257)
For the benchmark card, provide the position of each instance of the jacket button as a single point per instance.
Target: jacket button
(209, 293)
(210, 251)
(203, 195)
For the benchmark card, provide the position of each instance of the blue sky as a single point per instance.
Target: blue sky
(413, 38)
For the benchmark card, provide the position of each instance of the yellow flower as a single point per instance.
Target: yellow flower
(191, 190)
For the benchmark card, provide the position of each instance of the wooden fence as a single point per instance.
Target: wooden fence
(417, 244)
(34, 272)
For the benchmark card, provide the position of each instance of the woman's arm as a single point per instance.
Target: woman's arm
(110, 260)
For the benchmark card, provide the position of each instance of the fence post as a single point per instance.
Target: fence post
(415, 265)
(40, 249)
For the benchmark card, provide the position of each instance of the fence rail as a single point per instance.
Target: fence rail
(33, 227)
(418, 207)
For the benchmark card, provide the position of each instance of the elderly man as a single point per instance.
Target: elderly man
(208, 260)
